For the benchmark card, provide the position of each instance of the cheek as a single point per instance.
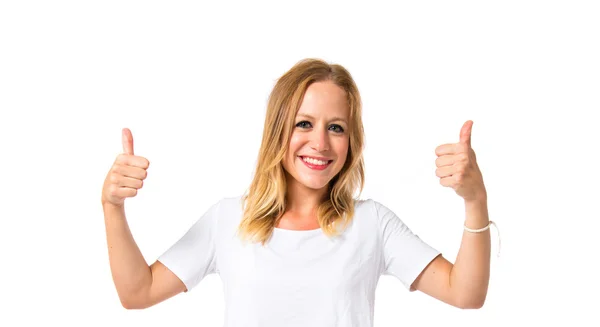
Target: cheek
(293, 147)
(342, 148)
(295, 144)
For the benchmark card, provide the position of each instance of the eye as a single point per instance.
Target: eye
(303, 124)
(336, 128)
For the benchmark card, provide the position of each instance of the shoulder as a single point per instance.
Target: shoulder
(367, 214)
(377, 214)
(227, 211)
(230, 203)
(372, 208)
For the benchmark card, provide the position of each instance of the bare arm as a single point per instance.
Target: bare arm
(138, 285)
(471, 273)
(465, 283)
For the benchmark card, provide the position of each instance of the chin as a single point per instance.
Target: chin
(315, 184)
(316, 187)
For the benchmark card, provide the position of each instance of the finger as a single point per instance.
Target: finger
(130, 171)
(445, 149)
(135, 161)
(447, 181)
(117, 180)
(446, 160)
(465, 132)
(445, 171)
(124, 192)
(127, 140)
(129, 182)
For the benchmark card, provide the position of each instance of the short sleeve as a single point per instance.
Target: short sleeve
(405, 255)
(193, 256)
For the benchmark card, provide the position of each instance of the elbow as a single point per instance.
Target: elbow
(471, 303)
(131, 303)
(128, 304)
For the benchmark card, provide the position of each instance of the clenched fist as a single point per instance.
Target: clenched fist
(457, 167)
(127, 174)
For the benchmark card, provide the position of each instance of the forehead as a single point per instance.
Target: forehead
(324, 99)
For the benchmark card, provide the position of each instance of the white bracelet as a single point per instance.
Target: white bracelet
(481, 229)
(484, 229)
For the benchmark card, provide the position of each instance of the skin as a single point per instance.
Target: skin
(321, 131)
(138, 285)
(462, 284)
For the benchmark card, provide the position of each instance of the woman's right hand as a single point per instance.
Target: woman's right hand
(126, 176)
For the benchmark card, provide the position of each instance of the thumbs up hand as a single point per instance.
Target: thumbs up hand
(457, 167)
(126, 175)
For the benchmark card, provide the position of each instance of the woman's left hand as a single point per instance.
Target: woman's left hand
(457, 167)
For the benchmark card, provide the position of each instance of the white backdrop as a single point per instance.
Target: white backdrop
(191, 81)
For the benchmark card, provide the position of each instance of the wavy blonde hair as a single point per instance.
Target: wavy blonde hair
(265, 201)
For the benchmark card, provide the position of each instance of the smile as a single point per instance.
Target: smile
(315, 164)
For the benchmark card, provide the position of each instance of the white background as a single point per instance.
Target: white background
(191, 81)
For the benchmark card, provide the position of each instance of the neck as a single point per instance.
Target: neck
(303, 200)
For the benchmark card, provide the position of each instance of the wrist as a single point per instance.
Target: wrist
(477, 194)
(107, 205)
(476, 214)
(479, 201)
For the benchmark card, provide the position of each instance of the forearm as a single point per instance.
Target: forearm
(470, 275)
(129, 269)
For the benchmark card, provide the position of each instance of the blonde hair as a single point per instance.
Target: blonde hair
(265, 200)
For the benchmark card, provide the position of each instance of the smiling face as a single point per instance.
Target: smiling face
(318, 145)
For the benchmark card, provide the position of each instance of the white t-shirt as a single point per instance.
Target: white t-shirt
(300, 278)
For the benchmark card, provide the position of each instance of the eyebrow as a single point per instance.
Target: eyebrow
(333, 119)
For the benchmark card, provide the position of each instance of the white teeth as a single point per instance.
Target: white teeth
(314, 161)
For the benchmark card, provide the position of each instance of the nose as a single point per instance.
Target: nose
(320, 140)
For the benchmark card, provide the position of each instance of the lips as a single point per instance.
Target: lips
(316, 163)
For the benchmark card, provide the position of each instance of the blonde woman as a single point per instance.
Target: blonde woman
(298, 248)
